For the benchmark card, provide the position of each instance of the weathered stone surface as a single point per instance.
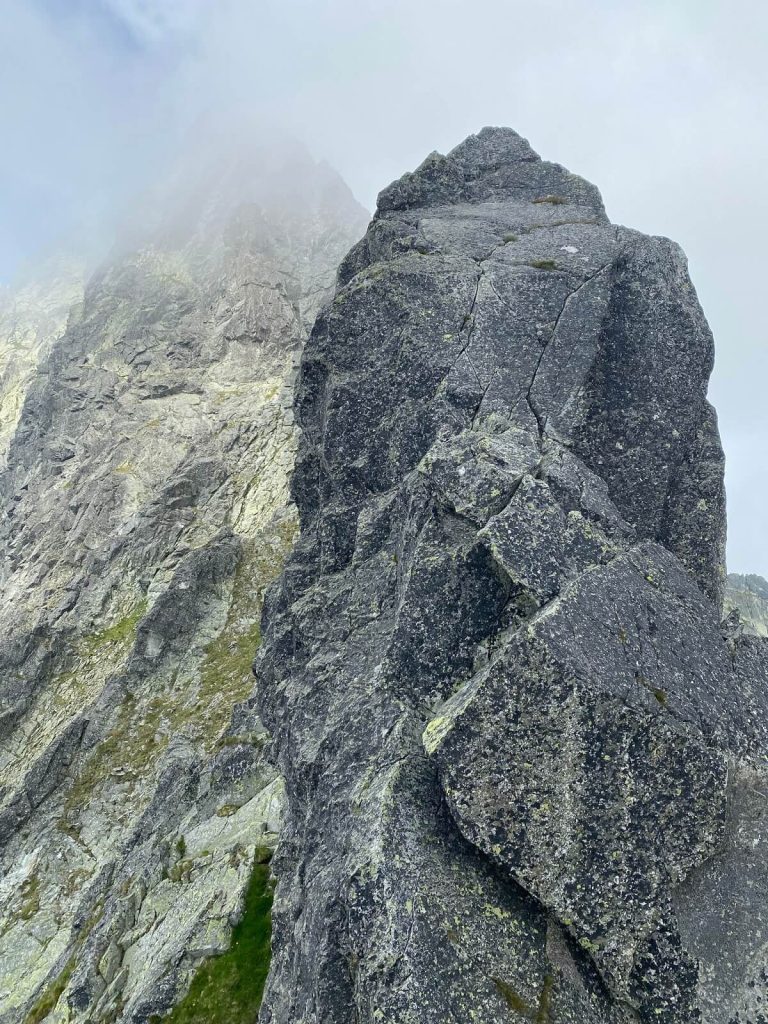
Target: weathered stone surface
(523, 761)
(145, 508)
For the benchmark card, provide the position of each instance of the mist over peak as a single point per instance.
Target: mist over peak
(657, 102)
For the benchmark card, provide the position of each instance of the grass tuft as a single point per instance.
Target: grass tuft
(47, 1001)
(120, 632)
(227, 989)
(544, 264)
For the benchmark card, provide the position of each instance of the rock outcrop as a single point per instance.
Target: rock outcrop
(145, 509)
(748, 594)
(524, 760)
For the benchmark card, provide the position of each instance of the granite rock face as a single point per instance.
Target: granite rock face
(524, 760)
(145, 508)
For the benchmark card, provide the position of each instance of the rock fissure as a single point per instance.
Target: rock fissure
(539, 416)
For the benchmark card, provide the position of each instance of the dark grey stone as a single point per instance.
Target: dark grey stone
(510, 725)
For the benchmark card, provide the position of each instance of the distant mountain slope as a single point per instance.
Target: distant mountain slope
(145, 509)
(32, 317)
(749, 593)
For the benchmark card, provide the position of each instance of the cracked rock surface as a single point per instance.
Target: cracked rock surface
(524, 759)
(145, 508)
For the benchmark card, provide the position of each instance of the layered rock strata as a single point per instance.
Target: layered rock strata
(145, 508)
(524, 761)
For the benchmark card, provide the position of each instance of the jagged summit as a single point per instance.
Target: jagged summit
(218, 178)
(496, 165)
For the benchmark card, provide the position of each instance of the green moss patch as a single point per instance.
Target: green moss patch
(541, 1014)
(30, 898)
(227, 989)
(50, 996)
(543, 1011)
(131, 746)
(119, 633)
(544, 264)
(143, 725)
(225, 673)
(512, 998)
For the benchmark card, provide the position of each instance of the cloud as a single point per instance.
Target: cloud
(156, 21)
(662, 105)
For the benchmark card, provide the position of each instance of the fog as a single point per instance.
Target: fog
(662, 104)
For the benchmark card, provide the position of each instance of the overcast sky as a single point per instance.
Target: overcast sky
(661, 104)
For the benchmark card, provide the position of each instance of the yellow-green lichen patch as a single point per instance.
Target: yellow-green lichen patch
(227, 989)
(227, 810)
(182, 871)
(435, 732)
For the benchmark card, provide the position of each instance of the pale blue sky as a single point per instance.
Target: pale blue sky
(661, 104)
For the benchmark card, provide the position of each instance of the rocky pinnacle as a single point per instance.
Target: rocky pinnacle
(524, 760)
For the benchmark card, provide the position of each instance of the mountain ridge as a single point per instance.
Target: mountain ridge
(502, 756)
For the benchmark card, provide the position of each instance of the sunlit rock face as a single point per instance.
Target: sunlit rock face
(145, 507)
(748, 594)
(524, 761)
